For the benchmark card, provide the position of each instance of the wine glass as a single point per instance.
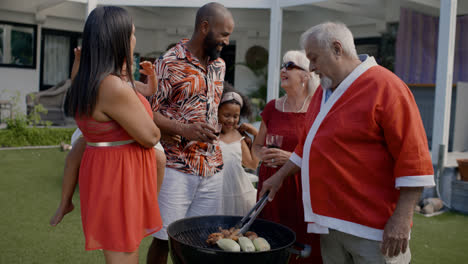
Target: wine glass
(212, 147)
(274, 141)
(218, 127)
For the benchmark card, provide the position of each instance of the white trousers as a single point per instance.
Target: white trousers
(185, 195)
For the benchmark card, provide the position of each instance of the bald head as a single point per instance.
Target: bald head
(213, 27)
(212, 13)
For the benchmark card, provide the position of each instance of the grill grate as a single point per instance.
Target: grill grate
(196, 236)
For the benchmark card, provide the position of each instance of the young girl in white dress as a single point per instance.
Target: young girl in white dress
(239, 194)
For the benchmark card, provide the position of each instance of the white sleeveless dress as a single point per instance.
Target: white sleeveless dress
(239, 194)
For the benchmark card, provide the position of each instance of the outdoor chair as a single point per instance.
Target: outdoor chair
(6, 106)
(52, 99)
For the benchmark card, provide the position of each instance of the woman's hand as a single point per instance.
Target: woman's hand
(273, 157)
(262, 152)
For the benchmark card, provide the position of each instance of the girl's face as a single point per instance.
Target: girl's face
(228, 116)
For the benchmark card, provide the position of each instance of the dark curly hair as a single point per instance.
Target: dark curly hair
(246, 109)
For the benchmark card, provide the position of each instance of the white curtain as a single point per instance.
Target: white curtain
(56, 59)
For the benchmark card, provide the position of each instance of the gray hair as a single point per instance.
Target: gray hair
(300, 59)
(329, 32)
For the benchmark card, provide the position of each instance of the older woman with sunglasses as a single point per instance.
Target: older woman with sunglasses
(282, 120)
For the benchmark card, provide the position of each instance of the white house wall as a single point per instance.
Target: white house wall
(16, 80)
(24, 81)
(156, 28)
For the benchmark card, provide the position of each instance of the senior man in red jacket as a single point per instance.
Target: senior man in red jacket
(363, 156)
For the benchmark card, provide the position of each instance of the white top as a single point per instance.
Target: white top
(239, 194)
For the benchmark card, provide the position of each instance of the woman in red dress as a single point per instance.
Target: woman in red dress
(282, 120)
(118, 184)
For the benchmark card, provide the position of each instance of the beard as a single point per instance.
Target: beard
(326, 82)
(210, 45)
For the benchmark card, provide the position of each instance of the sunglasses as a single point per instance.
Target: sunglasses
(290, 66)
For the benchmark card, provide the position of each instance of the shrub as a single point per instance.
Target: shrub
(34, 136)
(22, 130)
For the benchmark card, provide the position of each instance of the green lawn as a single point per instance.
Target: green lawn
(440, 239)
(30, 187)
(30, 182)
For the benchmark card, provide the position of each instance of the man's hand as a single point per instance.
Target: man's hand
(272, 184)
(395, 236)
(170, 138)
(396, 231)
(202, 132)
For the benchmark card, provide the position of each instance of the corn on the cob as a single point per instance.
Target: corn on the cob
(228, 245)
(261, 244)
(246, 244)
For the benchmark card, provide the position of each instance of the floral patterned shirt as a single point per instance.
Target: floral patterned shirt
(189, 93)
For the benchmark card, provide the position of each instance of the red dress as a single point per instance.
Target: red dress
(287, 208)
(118, 188)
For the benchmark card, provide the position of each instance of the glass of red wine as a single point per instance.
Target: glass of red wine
(218, 127)
(274, 141)
(212, 147)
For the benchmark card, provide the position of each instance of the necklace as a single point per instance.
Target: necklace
(303, 104)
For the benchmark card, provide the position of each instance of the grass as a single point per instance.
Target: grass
(30, 185)
(30, 188)
(440, 239)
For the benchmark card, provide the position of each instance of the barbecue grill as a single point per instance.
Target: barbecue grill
(187, 242)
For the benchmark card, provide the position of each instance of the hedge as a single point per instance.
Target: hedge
(34, 136)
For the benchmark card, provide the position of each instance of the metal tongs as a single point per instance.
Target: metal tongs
(257, 208)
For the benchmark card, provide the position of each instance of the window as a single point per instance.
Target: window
(369, 46)
(17, 45)
(57, 56)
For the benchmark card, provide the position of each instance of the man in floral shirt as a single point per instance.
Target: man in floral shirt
(191, 76)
